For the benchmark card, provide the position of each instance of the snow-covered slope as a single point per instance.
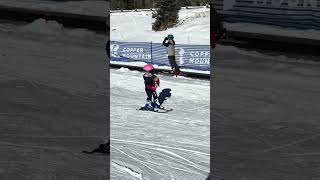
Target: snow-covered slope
(54, 89)
(193, 27)
(148, 145)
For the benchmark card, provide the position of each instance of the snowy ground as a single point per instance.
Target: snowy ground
(141, 64)
(265, 116)
(53, 98)
(148, 145)
(193, 27)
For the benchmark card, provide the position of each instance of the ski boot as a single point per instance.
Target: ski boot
(157, 105)
(173, 70)
(148, 106)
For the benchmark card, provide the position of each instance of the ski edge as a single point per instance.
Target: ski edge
(157, 111)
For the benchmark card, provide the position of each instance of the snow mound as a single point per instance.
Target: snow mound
(57, 30)
(43, 27)
(123, 69)
(194, 17)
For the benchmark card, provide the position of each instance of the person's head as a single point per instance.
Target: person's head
(149, 68)
(170, 37)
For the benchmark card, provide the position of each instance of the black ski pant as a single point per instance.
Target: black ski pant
(173, 63)
(152, 95)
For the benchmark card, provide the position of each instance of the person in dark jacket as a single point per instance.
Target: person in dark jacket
(217, 29)
(169, 43)
(108, 48)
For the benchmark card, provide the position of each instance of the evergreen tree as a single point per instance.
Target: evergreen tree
(167, 15)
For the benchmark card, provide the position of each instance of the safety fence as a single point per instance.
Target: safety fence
(299, 14)
(196, 57)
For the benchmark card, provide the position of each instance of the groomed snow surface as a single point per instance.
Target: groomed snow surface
(193, 27)
(265, 116)
(141, 64)
(149, 145)
(53, 98)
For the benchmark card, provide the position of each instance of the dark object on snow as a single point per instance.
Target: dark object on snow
(155, 110)
(208, 178)
(164, 94)
(108, 48)
(217, 29)
(102, 149)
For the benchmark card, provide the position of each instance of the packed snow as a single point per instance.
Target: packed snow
(149, 145)
(141, 64)
(53, 97)
(193, 27)
(88, 7)
(265, 115)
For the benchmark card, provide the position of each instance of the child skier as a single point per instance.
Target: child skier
(151, 82)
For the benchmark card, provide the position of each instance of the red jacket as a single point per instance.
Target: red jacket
(149, 81)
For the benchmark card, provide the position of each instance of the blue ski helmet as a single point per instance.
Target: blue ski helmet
(170, 36)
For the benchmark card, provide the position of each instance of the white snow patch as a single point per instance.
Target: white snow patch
(44, 27)
(194, 27)
(123, 167)
(123, 69)
(141, 64)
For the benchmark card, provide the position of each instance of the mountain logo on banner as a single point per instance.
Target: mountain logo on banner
(181, 53)
(114, 49)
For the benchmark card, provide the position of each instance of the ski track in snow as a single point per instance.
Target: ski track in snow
(128, 170)
(173, 145)
(157, 145)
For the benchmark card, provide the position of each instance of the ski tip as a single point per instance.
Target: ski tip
(96, 153)
(157, 110)
(162, 110)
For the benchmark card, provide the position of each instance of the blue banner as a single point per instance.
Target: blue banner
(299, 14)
(126, 51)
(195, 57)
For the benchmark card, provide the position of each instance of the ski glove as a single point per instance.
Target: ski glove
(158, 82)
